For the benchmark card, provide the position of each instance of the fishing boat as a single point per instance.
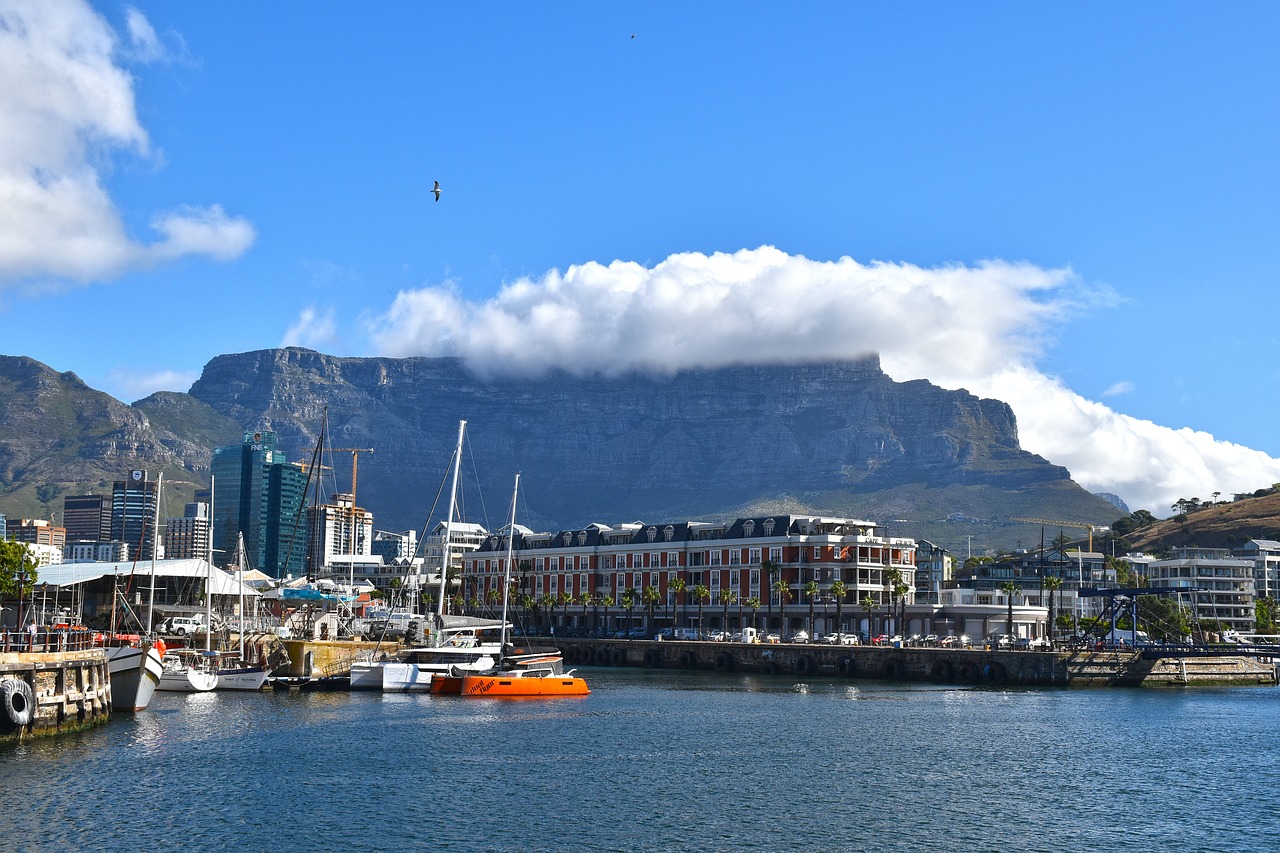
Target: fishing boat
(519, 673)
(134, 666)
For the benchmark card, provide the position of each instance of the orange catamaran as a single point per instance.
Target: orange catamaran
(521, 673)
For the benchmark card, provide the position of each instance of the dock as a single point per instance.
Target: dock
(62, 686)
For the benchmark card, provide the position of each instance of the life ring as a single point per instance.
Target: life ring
(804, 665)
(966, 672)
(616, 657)
(893, 669)
(723, 662)
(942, 671)
(845, 666)
(686, 659)
(652, 659)
(18, 700)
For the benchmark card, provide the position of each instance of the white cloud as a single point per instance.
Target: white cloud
(313, 329)
(1125, 387)
(128, 385)
(67, 106)
(977, 327)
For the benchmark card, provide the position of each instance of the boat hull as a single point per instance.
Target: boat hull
(520, 686)
(405, 678)
(447, 684)
(135, 674)
(242, 678)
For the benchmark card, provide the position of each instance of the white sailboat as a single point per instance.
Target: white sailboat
(238, 673)
(186, 670)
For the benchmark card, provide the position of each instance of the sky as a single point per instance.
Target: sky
(1068, 207)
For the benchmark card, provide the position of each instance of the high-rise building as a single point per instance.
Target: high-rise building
(87, 518)
(338, 528)
(37, 531)
(133, 513)
(258, 493)
(187, 538)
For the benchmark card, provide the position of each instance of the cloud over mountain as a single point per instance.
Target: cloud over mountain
(68, 107)
(976, 327)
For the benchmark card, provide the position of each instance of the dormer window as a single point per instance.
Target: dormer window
(767, 527)
(652, 533)
(582, 537)
(568, 538)
(668, 533)
(748, 527)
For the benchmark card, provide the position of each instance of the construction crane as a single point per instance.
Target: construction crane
(1078, 524)
(355, 471)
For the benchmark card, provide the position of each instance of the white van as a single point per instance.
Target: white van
(183, 625)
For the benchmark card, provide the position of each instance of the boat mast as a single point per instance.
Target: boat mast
(155, 533)
(208, 581)
(447, 559)
(506, 575)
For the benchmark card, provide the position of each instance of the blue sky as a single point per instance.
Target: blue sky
(1069, 207)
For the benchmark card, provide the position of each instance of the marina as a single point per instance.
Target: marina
(658, 760)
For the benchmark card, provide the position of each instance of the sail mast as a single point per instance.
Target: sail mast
(208, 577)
(506, 575)
(155, 533)
(446, 559)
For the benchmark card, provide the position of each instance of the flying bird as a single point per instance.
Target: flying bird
(437, 191)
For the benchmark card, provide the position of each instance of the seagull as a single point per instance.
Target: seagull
(437, 191)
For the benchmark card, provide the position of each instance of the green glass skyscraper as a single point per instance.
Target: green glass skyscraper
(259, 494)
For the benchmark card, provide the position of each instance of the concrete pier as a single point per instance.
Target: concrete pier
(943, 666)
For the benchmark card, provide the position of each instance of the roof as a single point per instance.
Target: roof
(73, 574)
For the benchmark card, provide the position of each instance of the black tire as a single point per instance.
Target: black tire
(804, 665)
(686, 659)
(652, 659)
(617, 657)
(182, 632)
(893, 669)
(18, 702)
(723, 662)
(845, 667)
(602, 656)
(769, 669)
(942, 671)
(994, 673)
(967, 673)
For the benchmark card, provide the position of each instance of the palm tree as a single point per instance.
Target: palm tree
(728, 597)
(607, 601)
(754, 603)
(650, 596)
(547, 601)
(892, 580)
(677, 588)
(628, 603)
(495, 597)
(902, 589)
(585, 599)
(527, 604)
(1010, 589)
(1053, 585)
(869, 604)
(701, 594)
(811, 590)
(838, 590)
(565, 598)
(784, 595)
(767, 568)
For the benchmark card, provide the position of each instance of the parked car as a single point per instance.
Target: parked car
(664, 634)
(931, 639)
(772, 638)
(951, 641)
(880, 640)
(718, 636)
(183, 625)
(841, 639)
(915, 640)
(801, 636)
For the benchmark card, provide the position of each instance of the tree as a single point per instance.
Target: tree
(628, 603)
(754, 603)
(608, 602)
(839, 590)
(728, 597)
(701, 594)
(768, 568)
(1052, 584)
(783, 592)
(17, 573)
(585, 598)
(1265, 615)
(649, 597)
(893, 582)
(1010, 589)
(869, 604)
(811, 590)
(677, 587)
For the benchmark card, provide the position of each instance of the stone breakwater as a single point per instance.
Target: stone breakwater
(944, 666)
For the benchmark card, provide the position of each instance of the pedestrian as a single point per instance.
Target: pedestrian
(32, 646)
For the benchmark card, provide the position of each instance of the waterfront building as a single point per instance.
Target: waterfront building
(1265, 556)
(38, 531)
(1219, 586)
(133, 512)
(187, 538)
(394, 546)
(4, 526)
(87, 518)
(934, 567)
(260, 494)
(722, 573)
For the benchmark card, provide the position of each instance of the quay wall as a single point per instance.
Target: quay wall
(943, 666)
(47, 693)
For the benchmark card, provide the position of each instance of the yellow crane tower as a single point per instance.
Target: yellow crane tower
(1078, 524)
(355, 471)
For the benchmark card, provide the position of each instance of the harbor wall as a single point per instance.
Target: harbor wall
(943, 666)
(52, 692)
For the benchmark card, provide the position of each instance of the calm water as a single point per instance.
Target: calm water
(664, 761)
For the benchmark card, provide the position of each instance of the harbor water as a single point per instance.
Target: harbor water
(659, 760)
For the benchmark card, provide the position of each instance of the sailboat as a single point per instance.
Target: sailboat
(186, 670)
(135, 661)
(237, 673)
(521, 673)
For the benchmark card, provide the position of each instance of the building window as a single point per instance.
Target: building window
(673, 558)
(775, 556)
(755, 583)
(668, 532)
(767, 527)
(713, 558)
(753, 557)
(735, 557)
(748, 527)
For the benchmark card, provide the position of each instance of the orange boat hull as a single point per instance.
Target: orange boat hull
(512, 687)
(446, 684)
